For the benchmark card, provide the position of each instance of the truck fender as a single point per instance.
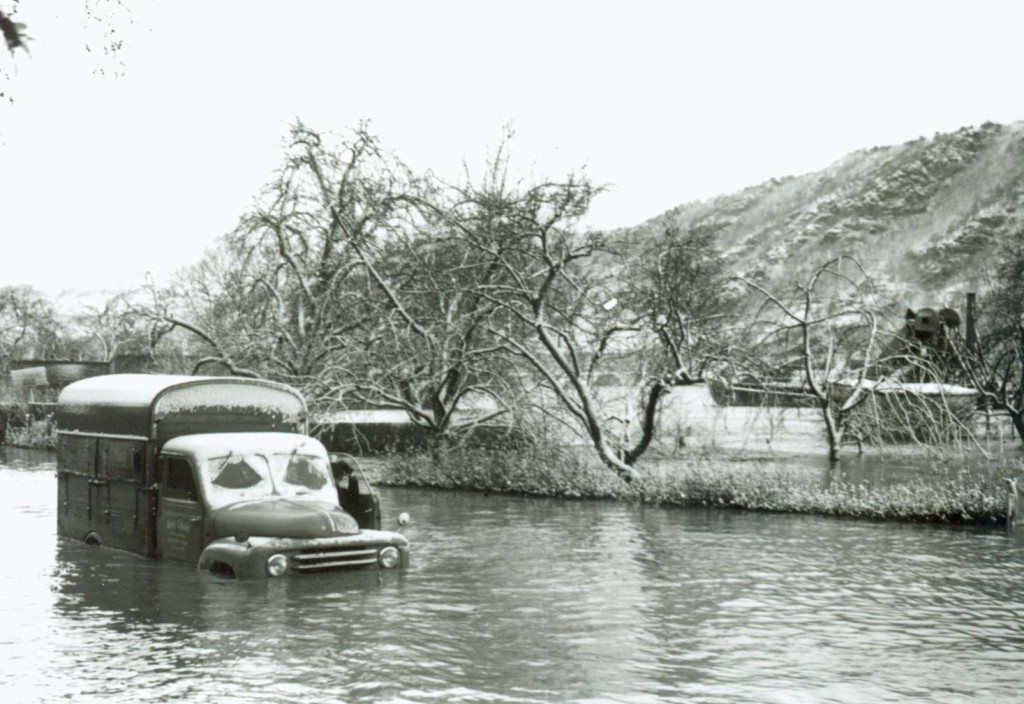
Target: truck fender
(224, 557)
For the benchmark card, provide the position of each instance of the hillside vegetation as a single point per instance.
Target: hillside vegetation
(926, 217)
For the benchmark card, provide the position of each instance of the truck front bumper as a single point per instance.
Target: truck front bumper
(257, 557)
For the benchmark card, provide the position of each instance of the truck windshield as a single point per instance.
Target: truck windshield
(244, 477)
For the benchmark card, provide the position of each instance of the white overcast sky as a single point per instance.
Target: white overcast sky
(110, 172)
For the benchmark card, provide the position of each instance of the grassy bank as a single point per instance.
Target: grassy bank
(949, 493)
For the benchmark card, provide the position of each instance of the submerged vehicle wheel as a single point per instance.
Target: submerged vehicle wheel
(92, 538)
(222, 569)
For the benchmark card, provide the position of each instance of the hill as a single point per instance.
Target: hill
(927, 218)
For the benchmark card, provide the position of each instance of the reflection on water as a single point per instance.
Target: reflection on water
(515, 599)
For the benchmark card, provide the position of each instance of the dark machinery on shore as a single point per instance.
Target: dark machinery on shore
(924, 350)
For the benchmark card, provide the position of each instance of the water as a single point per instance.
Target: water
(517, 599)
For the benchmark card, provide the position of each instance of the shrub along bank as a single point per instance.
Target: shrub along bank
(948, 494)
(37, 433)
(20, 427)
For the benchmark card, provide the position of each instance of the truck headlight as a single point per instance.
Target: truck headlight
(389, 557)
(277, 565)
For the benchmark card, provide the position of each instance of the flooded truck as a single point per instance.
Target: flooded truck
(213, 471)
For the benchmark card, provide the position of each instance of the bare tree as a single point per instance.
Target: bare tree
(554, 304)
(121, 324)
(678, 289)
(28, 325)
(281, 293)
(429, 352)
(346, 281)
(835, 320)
(995, 365)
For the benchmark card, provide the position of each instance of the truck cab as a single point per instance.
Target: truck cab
(213, 471)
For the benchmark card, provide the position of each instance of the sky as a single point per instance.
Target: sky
(115, 167)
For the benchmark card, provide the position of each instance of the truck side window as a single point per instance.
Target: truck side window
(179, 480)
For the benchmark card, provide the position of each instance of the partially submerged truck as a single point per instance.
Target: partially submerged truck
(214, 471)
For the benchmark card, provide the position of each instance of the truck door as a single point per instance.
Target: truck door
(355, 493)
(179, 522)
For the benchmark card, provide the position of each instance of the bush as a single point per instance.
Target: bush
(527, 470)
(38, 433)
(975, 495)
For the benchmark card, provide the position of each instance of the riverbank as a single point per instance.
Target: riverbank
(957, 490)
(751, 458)
(716, 465)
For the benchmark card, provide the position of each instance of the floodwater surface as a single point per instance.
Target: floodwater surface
(524, 600)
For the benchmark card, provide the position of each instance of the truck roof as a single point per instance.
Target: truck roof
(203, 446)
(162, 406)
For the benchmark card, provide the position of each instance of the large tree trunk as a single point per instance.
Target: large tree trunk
(834, 430)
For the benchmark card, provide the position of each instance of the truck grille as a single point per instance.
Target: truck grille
(336, 558)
